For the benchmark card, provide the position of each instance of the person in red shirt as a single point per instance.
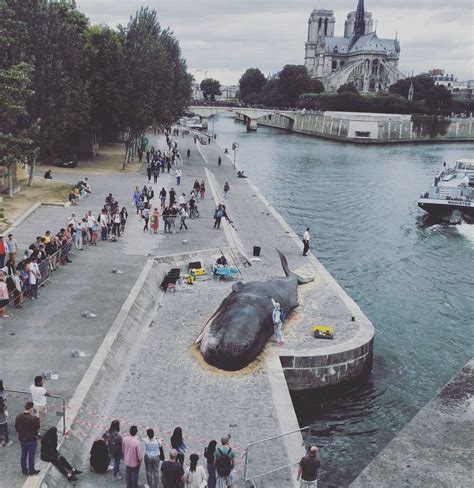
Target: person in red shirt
(2, 252)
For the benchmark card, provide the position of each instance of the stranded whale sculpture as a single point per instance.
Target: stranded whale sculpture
(238, 331)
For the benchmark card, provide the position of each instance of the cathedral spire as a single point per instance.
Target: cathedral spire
(359, 23)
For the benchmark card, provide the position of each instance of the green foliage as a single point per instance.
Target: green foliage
(347, 87)
(354, 102)
(210, 88)
(439, 97)
(16, 143)
(430, 125)
(294, 81)
(315, 86)
(105, 65)
(422, 84)
(91, 77)
(251, 84)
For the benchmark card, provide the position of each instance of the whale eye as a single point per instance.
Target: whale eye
(237, 286)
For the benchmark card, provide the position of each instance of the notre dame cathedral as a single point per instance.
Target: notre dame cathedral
(359, 57)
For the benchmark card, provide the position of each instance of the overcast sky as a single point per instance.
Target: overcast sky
(226, 37)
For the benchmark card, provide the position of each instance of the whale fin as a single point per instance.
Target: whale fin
(288, 272)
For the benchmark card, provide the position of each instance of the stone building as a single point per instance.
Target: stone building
(359, 57)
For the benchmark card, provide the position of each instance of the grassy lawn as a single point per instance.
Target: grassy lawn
(109, 160)
(46, 191)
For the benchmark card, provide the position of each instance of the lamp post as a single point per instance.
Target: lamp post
(235, 148)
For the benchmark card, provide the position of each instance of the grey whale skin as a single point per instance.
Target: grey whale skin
(239, 329)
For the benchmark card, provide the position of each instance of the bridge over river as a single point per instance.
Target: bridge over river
(249, 115)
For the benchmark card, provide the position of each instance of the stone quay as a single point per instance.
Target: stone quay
(141, 364)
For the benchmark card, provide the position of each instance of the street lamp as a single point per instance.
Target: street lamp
(235, 148)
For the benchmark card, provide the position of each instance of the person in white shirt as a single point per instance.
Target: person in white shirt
(91, 220)
(306, 239)
(178, 174)
(38, 397)
(34, 276)
(103, 225)
(71, 219)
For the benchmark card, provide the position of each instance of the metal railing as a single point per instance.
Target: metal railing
(251, 479)
(56, 408)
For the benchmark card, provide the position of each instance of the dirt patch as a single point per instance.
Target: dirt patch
(109, 160)
(46, 191)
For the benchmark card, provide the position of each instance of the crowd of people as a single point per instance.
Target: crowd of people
(114, 447)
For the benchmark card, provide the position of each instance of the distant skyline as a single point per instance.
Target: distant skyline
(268, 34)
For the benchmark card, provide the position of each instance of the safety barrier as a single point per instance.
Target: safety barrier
(55, 408)
(257, 451)
(45, 267)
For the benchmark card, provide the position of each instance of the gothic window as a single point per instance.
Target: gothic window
(320, 23)
(366, 65)
(375, 66)
(334, 65)
(372, 85)
(326, 27)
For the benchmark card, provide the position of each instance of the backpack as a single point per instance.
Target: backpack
(224, 463)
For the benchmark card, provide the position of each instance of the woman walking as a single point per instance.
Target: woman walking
(136, 198)
(226, 189)
(163, 197)
(183, 213)
(153, 455)
(123, 219)
(114, 445)
(155, 221)
(202, 189)
(195, 475)
(177, 442)
(209, 454)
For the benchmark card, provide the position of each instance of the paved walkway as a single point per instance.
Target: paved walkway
(42, 335)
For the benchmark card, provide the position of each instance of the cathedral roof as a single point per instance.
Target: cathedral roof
(368, 42)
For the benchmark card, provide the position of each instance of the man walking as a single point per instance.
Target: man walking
(27, 427)
(38, 397)
(306, 238)
(308, 469)
(133, 456)
(219, 161)
(178, 174)
(172, 472)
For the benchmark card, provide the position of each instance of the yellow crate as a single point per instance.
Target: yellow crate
(323, 328)
(199, 271)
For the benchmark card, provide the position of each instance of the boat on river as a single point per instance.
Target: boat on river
(451, 195)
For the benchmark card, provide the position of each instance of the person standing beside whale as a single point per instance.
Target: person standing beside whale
(277, 322)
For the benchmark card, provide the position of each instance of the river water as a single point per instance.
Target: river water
(414, 281)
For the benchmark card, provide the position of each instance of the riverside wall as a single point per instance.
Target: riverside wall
(367, 128)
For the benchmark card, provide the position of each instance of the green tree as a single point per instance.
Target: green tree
(271, 94)
(105, 66)
(422, 84)
(251, 84)
(294, 81)
(347, 87)
(210, 88)
(315, 86)
(16, 143)
(440, 98)
(52, 40)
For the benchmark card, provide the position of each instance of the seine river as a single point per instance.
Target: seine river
(414, 282)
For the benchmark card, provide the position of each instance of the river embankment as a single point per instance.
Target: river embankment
(372, 128)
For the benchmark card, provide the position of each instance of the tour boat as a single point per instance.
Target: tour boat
(451, 195)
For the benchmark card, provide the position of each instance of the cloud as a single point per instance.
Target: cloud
(227, 37)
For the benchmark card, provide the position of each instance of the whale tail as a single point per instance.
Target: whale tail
(288, 272)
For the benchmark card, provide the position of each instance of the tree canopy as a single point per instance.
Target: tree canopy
(422, 84)
(210, 88)
(85, 77)
(251, 84)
